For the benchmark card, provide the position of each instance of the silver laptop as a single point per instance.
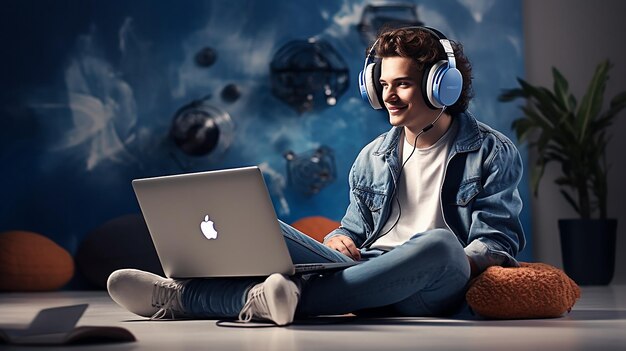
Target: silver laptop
(217, 224)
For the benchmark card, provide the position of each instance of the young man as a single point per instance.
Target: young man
(433, 202)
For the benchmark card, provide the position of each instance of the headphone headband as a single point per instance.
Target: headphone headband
(445, 43)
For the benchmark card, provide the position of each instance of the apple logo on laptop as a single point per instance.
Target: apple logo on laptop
(207, 228)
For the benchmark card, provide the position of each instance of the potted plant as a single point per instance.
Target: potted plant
(575, 136)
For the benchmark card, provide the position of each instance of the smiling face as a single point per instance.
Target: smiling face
(402, 93)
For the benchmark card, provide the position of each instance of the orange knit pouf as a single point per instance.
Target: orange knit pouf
(32, 262)
(316, 226)
(534, 290)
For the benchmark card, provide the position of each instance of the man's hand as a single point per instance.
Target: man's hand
(345, 245)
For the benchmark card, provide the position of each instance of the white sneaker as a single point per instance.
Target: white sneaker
(275, 299)
(146, 294)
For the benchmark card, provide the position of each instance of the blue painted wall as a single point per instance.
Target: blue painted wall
(90, 88)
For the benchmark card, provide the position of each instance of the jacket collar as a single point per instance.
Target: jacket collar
(468, 137)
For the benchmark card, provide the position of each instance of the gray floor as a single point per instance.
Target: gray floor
(598, 322)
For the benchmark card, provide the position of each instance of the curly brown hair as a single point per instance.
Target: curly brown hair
(422, 46)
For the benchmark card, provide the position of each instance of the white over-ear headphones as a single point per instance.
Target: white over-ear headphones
(442, 82)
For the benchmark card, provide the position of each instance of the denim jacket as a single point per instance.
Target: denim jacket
(479, 195)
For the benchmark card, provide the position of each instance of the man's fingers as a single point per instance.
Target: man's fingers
(353, 252)
(351, 249)
(345, 245)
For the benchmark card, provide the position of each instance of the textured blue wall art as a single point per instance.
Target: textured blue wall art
(91, 89)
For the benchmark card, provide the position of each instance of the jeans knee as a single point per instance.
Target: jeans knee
(444, 248)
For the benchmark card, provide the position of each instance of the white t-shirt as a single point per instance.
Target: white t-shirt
(419, 191)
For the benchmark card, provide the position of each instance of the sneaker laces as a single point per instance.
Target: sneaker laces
(166, 297)
(256, 303)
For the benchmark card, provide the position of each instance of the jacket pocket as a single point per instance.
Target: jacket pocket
(370, 203)
(371, 199)
(468, 191)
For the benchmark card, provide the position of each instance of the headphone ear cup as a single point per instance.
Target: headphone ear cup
(428, 84)
(448, 86)
(372, 85)
(377, 86)
(443, 85)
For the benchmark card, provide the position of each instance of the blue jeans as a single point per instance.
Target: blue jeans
(425, 276)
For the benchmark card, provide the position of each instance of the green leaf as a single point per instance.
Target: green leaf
(539, 121)
(601, 123)
(560, 89)
(567, 134)
(592, 100)
(572, 103)
(555, 156)
(550, 106)
(563, 181)
(618, 100)
(523, 126)
(511, 94)
(617, 104)
(571, 201)
(542, 143)
(539, 96)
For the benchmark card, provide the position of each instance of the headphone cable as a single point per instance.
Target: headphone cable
(396, 182)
